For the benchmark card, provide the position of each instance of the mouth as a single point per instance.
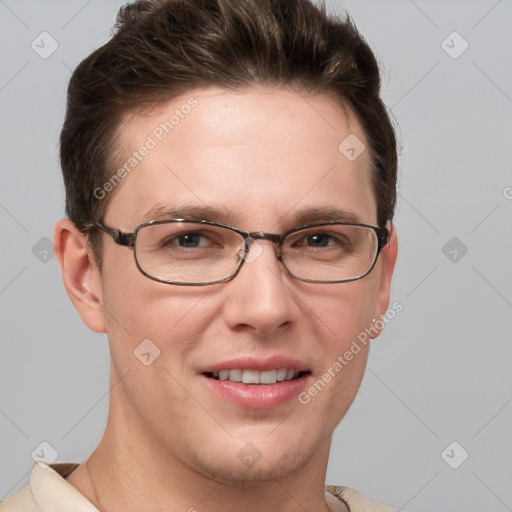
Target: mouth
(257, 383)
(255, 377)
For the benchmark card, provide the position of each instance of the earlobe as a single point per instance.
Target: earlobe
(80, 274)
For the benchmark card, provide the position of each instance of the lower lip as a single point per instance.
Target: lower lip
(258, 396)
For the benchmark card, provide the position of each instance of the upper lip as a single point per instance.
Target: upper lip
(252, 363)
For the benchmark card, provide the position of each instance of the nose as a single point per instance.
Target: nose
(260, 299)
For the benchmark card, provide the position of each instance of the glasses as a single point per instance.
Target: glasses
(197, 253)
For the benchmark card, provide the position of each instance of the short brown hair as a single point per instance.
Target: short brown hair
(161, 48)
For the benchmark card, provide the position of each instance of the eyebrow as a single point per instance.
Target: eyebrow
(203, 212)
(215, 214)
(325, 214)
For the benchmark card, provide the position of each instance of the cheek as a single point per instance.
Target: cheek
(342, 313)
(138, 309)
(343, 310)
(330, 394)
(132, 301)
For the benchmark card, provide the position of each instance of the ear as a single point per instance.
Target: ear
(80, 274)
(387, 259)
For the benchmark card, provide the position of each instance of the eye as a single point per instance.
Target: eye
(189, 240)
(319, 240)
(322, 239)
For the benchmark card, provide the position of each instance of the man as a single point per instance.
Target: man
(230, 177)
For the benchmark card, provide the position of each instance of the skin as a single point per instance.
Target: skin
(261, 155)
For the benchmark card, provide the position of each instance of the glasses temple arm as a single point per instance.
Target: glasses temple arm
(120, 238)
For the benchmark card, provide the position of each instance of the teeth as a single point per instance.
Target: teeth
(235, 375)
(289, 374)
(251, 377)
(268, 377)
(256, 377)
(281, 374)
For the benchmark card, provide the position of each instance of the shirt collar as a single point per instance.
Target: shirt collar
(53, 493)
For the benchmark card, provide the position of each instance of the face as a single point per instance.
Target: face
(259, 160)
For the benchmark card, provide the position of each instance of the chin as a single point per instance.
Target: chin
(261, 467)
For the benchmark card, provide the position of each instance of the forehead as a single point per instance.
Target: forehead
(255, 156)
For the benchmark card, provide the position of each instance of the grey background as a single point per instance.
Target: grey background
(441, 370)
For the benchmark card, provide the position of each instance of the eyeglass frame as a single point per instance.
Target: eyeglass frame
(129, 239)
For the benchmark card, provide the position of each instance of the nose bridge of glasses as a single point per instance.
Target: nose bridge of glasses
(260, 235)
